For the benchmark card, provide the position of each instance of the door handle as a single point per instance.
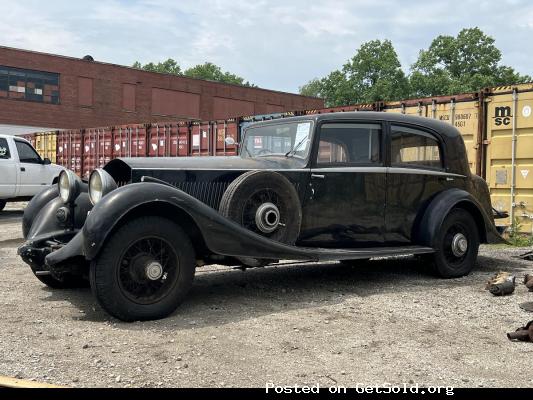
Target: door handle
(317, 176)
(22, 169)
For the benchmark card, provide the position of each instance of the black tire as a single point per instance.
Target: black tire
(2, 204)
(447, 263)
(248, 192)
(119, 275)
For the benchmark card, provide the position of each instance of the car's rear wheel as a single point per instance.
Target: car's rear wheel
(264, 202)
(144, 271)
(457, 245)
(2, 204)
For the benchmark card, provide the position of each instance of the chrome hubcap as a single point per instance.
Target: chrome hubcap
(267, 217)
(459, 245)
(154, 271)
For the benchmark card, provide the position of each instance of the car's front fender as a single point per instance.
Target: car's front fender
(221, 235)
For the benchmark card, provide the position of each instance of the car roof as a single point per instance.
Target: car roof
(444, 128)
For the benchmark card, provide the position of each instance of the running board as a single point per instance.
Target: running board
(353, 254)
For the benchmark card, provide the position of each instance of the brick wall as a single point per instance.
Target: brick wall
(174, 97)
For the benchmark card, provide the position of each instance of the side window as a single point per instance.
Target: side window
(413, 147)
(4, 150)
(26, 153)
(349, 143)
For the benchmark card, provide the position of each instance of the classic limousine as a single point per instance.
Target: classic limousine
(340, 186)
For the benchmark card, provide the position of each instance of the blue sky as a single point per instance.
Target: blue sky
(277, 45)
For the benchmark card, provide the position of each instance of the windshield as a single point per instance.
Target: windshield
(290, 139)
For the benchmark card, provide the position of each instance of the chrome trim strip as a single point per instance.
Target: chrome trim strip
(388, 170)
(416, 171)
(378, 170)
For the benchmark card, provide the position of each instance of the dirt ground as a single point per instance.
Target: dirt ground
(381, 322)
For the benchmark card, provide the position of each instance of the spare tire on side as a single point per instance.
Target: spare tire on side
(265, 202)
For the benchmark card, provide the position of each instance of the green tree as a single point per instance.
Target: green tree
(465, 63)
(213, 72)
(169, 66)
(207, 71)
(373, 74)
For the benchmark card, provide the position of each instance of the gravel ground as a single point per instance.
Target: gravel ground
(384, 321)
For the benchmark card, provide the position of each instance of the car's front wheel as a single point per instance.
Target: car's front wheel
(144, 271)
(457, 245)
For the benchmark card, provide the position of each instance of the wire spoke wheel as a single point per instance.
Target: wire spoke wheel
(148, 270)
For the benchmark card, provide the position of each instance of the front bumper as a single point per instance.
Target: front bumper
(53, 253)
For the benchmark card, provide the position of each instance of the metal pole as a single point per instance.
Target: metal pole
(452, 111)
(513, 157)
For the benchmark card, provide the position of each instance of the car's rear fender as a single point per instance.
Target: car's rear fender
(426, 230)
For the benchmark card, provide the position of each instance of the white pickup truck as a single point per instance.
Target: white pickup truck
(23, 173)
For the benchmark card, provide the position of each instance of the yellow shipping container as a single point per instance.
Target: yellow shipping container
(509, 152)
(45, 144)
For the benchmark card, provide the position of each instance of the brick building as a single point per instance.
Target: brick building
(40, 91)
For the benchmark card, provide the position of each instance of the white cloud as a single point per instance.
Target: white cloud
(275, 44)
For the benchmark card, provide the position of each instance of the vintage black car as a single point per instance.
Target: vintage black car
(339, 186)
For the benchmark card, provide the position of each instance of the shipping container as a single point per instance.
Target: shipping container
(350, 108)
(130, 140)
(97, 149)
(45, 143)
(201, 138)
(69, 149)
(509, 153)
(226, 129)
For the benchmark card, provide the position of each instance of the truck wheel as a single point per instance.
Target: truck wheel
(266, 203)
(2, 204)
(457, 245)
(144, 270)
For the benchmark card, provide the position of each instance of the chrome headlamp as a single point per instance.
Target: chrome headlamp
(100, 184)
(68, 186)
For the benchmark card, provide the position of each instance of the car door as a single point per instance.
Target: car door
(33, 174)
(8, 171)
(415, 175)
(345, 206)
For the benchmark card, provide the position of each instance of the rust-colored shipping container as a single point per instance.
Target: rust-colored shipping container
(226, 129)
(130, 140)
(159, 139)
(97, 149)
(201, 139)
(69, 149)
(169, 139)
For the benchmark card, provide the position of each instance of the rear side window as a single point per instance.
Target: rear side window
(414, 147)
(4, 150)
(26, 153)
(349, 143)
